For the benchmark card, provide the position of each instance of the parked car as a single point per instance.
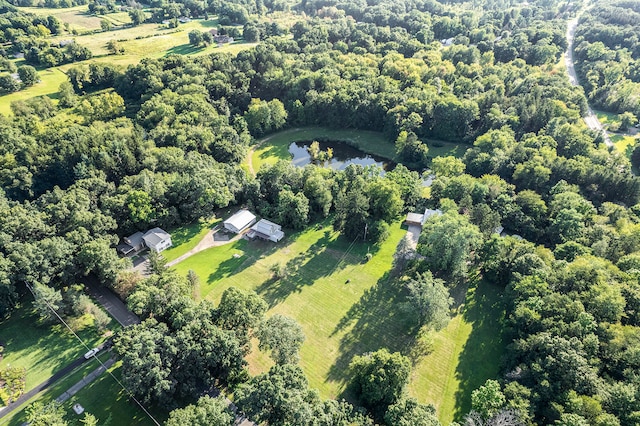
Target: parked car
(91, 353)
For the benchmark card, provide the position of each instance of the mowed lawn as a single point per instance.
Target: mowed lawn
(347, 307)
(50, 80)
(42, 349)
(464, 354)
(187, 237)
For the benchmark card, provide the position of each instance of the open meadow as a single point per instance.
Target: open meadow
(347, 307)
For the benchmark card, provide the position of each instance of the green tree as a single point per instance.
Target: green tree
(46, 300)
(447, 166)
(105, 25)
(28, 75)
(195, 38)
(240, 311)
(379, 378)
(488, 399)
(278, 397)
(89, 420)
(430, 299)
(293, 209)
(408, 412)
(448, 241)
(51, 414)
(137, 16)
(206, 412)
(385, 200)
(283, 336)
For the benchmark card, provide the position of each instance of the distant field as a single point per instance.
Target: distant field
(343, 319)
(48, 86)
(144, 41)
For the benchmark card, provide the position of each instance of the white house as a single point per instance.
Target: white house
(240, 221)
(266, 230)
(157, 239)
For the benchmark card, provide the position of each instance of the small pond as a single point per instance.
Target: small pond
(343, 155)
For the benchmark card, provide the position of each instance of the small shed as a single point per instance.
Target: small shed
(240, 221)
(414, 219)
(157, 239)
(266, 230)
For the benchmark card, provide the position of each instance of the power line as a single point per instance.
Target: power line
(94, 355)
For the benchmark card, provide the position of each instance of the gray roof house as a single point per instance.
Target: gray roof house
(157, 239)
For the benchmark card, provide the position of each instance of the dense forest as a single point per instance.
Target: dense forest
(161, 143)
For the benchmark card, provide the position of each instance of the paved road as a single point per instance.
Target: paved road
(108, 299)
(590, 119)
(44, 385)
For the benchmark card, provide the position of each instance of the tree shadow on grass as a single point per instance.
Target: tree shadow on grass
(323, 258)
(377, 321)
(480, 358)
(183, 49)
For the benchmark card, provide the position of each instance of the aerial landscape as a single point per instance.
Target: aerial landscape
(320, 212)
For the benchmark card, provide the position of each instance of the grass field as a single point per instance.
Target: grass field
(276, 146)
(465, 354)
(343, 319)
(41, 349)
(50, 80)
(606, 118)
(105, 399)
(18, 417)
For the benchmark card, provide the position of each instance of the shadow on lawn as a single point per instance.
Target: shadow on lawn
(302, 270)
(22, 332)
(478, 361)
(378, 322)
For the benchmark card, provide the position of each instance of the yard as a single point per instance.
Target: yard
(347, 306)
(42, 349)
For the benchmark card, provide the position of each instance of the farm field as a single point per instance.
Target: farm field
(347, 307)
(143, 41)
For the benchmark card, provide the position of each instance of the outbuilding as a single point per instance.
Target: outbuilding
(240, 221)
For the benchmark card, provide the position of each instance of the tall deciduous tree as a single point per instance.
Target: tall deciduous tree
(206, 412)
(430, 299)
(379, 378)
(283, 336)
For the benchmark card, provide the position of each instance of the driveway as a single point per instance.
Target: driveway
(109, 301)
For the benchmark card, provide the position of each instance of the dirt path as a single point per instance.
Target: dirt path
(258, 145)
(212, 239)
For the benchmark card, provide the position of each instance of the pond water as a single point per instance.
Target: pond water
(343, 155)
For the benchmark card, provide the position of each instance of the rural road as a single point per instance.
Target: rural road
(590, 119)
(44, 385)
